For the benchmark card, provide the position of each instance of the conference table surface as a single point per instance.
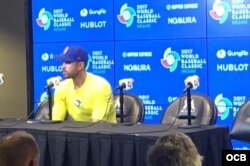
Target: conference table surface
(102, 144)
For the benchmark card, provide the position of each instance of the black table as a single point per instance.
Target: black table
(103, 144)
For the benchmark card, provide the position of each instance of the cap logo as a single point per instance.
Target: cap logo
(65, 50)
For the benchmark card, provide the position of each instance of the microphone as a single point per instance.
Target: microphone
(126, 84)
(1, 78)
(50, 85)
(191, 82)
(53, 82)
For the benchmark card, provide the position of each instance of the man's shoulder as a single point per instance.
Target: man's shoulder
(99, 83)
(97, 78)
(65, 84)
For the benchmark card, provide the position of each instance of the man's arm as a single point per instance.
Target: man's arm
(59, 108)
(104, 105)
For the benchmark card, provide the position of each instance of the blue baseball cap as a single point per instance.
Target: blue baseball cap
(73, 54)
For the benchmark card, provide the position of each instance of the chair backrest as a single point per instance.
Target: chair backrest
(203, 111)
(133, 108)
(241, 124)
(42, 112)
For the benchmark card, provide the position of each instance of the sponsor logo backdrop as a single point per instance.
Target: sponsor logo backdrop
(158, 44)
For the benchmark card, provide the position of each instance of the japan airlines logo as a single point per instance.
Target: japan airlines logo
(170, 59)
(220, 11)
(127, 15)
(223, 104)
(44, 19)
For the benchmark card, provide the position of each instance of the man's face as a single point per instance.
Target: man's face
(71, 69)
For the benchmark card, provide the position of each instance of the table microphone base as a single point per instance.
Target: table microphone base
(123, 124)
(43, 121)
(47, 121)
(186, 126)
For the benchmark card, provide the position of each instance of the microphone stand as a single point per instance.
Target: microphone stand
(121, 105)
(50, 109)
(50, 103)
(189, 117)
(189, 106)
(121, 100)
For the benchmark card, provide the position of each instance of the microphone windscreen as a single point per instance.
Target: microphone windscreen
(55, 81)
(129, 82)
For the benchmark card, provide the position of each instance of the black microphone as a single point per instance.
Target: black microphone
(191, 82)
(126, 84)
(188, 86)
(53, 81)
(122, 86)
(50, 85)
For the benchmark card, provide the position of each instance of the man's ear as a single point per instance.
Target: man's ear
(81, 65)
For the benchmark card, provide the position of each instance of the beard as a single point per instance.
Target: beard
(70, 75)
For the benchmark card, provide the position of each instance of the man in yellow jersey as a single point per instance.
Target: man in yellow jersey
(82, 95)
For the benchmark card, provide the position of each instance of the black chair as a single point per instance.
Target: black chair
(42, 112)
(241, 124)
(133, 108)
(203, 111)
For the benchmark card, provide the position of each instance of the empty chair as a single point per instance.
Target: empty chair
(203, 111)
(133, 108)
(241, 124)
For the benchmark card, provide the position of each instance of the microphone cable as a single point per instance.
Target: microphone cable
(19, 120)
(175, 118)
(27, 119)
(152, 131)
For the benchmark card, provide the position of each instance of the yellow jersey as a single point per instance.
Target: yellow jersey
(93, 100)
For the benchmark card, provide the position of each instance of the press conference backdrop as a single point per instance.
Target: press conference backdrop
(157, 43)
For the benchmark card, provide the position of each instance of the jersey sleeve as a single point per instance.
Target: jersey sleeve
(103, 108)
